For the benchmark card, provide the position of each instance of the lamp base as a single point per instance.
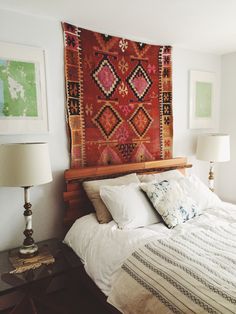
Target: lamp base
(211, 176)
(28, 251)
(29, 248)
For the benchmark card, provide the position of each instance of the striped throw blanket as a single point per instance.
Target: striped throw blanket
(189, 273)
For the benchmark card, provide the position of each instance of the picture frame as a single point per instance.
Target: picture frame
(202, 113)
(23, 101)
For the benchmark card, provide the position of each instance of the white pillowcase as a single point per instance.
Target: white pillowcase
(158, 177)
(92, 189)
(198, 191)
(128, 206)
(171, 202)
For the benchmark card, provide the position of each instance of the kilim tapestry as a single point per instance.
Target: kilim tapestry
(119, 99)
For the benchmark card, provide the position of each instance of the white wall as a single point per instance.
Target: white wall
(228, 125)
(185, 138)
(47, 200)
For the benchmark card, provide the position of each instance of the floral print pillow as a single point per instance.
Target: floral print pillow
(171, 202)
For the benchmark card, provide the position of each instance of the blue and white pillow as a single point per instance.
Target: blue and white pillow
(171, 202)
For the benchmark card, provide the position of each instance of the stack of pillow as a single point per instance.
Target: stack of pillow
(135, 201)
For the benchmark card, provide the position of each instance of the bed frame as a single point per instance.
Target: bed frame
(78, 204)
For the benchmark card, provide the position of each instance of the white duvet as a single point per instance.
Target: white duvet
(103, 247)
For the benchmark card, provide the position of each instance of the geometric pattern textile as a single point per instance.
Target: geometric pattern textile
(118, 99)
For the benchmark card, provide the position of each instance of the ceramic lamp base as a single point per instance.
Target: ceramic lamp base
(28, 251)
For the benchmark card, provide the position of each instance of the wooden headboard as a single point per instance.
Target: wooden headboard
(75, 197)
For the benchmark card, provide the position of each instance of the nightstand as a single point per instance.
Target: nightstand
(28, 292)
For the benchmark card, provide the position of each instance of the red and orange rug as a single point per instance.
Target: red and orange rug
(118, 97)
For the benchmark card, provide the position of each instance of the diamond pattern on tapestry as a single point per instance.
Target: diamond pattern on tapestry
(108, 157)
(118, 99)
(139, 82)
(106, 77)
(142, 154)
(126, 149)
(140, 121)
(108, 120)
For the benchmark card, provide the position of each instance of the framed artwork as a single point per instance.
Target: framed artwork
(202, 100)
(23, 105)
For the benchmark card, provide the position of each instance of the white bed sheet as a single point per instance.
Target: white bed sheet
(103, 247)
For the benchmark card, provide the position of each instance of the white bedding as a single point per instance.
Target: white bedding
(103, 247)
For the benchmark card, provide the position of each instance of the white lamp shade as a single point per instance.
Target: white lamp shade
(24, 164)
(213, 147)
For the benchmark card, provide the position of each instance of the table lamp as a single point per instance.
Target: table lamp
(25, 165)
(213, 148)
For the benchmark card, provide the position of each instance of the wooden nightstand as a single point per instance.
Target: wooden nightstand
(28, 292)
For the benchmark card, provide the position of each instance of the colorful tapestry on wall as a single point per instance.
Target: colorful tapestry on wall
(119, 99)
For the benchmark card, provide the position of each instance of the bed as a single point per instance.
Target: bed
(154, 269)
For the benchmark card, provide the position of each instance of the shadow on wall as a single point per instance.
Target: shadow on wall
(50, 207)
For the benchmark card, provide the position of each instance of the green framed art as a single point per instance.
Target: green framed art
(23, 105)
(202, 113)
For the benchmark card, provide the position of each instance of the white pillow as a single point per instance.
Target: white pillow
(128, 206)
(201, 193)
(171, 202)
(92, 189)
(158, 177)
